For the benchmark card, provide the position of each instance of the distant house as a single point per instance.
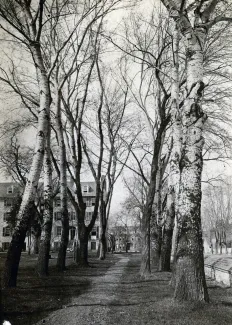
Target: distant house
(8, 195)
(89, 195)
(126, 239)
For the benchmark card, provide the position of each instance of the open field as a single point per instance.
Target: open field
(109, 292)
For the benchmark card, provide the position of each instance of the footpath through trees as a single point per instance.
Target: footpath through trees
(112, 292)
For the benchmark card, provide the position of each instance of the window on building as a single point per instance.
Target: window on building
(57, 202)
(85, 189)
(89, 202)
(72, 233)
(58, 231)
(93, 201)
(10, 189)
(94, 233)
(8, 203)
(6, 232)
(57, 216)
(93, 245)
(88, 215)
(6, 216)
(71, 215)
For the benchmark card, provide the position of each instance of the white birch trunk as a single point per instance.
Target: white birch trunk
(190, 277)
(174, 172)
(24, 216)
(45, 240)
(189, 271)
(63, 188)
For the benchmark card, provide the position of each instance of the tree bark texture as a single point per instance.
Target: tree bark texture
(166, 247)
(189, 274)
(102, 228)
(190, 277)
(36, 241)
(36, 232)
(174, 172)
(63, 188)
(145, 268)
(45, 239)
(10, 271)
(156, 241)
(156, 221)
(82, 252)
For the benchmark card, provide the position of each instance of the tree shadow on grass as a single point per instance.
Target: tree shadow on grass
(35, 298)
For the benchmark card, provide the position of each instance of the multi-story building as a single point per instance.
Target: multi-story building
(89, 194)
(126, 239)
(10, 191)
(8, 195)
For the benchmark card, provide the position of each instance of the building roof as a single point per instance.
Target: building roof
(17, 188)
(91, 188)
(4, 188)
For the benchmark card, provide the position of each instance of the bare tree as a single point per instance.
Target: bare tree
(189, 273)
(27, 29)
(216, 214)
(153, 72)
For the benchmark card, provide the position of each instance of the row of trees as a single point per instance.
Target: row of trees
(179, 54)
(146, 113)
(65, 91)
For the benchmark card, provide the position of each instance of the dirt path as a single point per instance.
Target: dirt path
(93, 306)
(112, 292)
(121, 297)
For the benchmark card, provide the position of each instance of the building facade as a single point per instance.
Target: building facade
(9, 192)
(126, 239)
(89, 195)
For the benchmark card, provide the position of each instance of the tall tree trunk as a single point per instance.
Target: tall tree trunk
(63, 187)
(216, 247)
(82, 252)
(10, 270)
(102, 228)
(36, 231)
(45, 239)
(156, 221)
(156, 241)
(166, 247)
(156, 230)
(194, 25)
(145, 268)
(220, 245)
(174, 173)
(190, 276)
(64, 241)
(36, 242)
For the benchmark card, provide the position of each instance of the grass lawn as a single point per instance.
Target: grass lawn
(34, 298)
(123, 298)
(150, 302)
